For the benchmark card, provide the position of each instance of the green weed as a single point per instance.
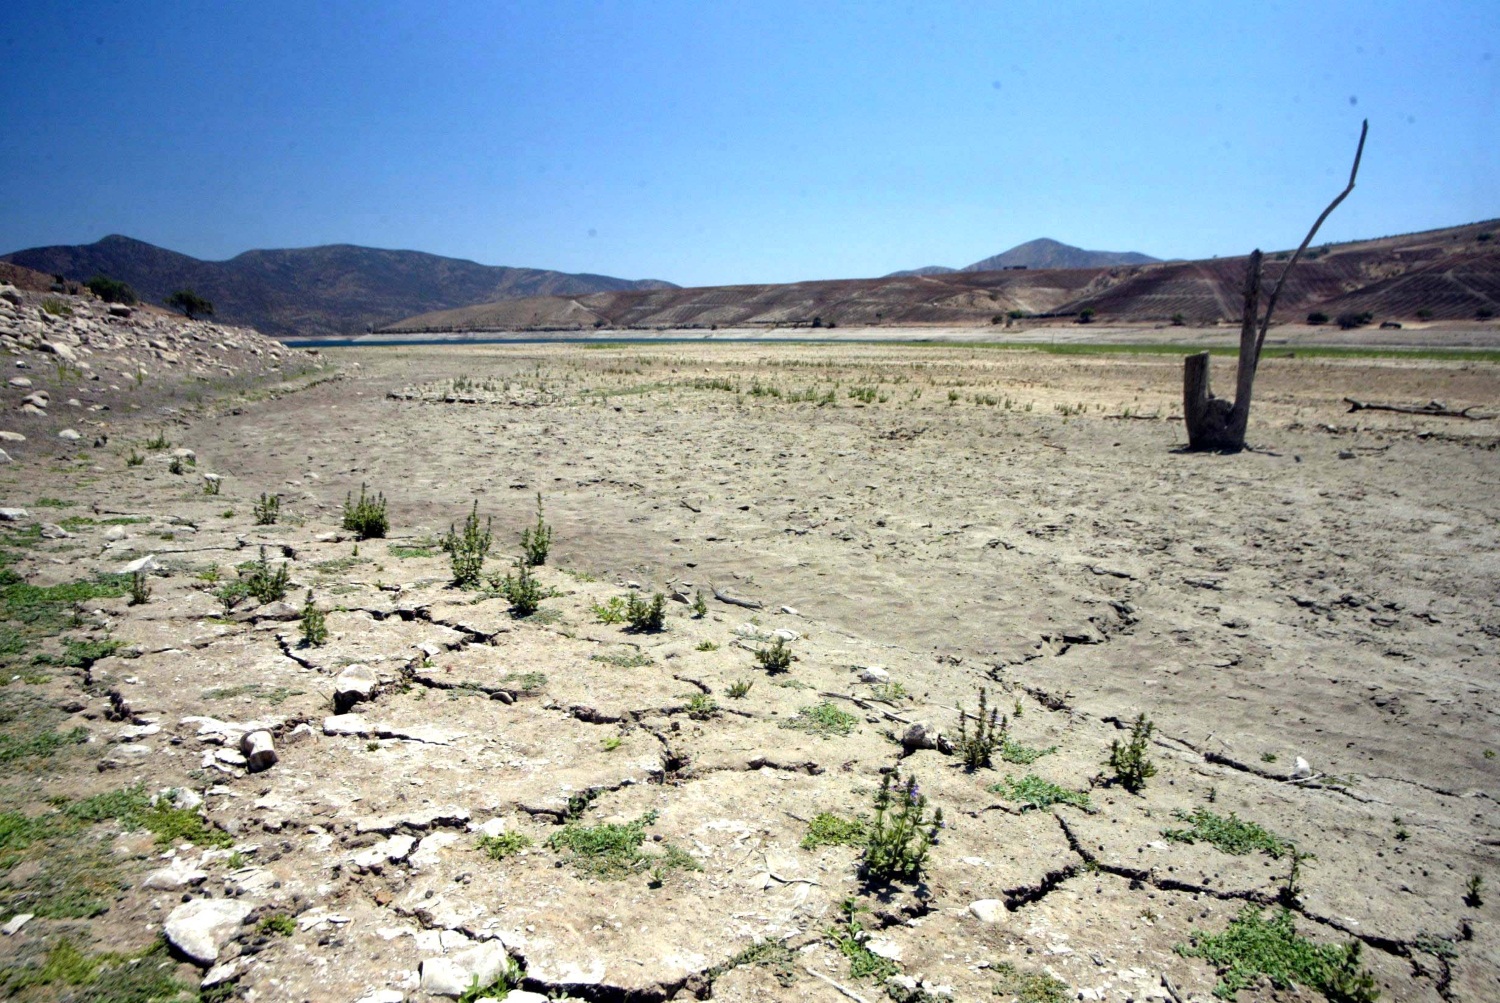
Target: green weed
(849, 937)
(1128, 761)
(824, 720)
(504, 845)
(827, 829)
(365, 518)
(902, 833)
(1031, 791)
(1253, 947)
(1229, 835)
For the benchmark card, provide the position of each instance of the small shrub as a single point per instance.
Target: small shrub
(1031, 791)
(504, 845)
(1030, 987)
(1086, 315)
(1253, 947)
(521, 590)
(1317, 317)
(631, 659)
(537, 540)
(1129, 763)
(613, 850)
(646, 617)
(827, 829)
(1472, 891)
(775, 657)
(1350, 320)
(611, 611)
(267, 510)
(1424, 314)
(902, 832)
(112, 290)
(699, 608)
(211, 485)
(1022, 755)
(1178, 320)
(189, 303)
(891, 693)
(158, 442)
(498, 988)
(849, 938)
(1484, 313)
(977, 744)
(176, 467)
(278, 923)
(824, 720)
(134, 459)
(739, 689)
(706, 646)
(701, 707)
(366, 517)
(314, 624)
(265, 584)
(140, 588)
(56, 307)
(467, 552)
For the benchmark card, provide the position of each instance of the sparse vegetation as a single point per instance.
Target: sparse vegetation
(739, 689)
(265, 583)
(611, 611)
(1473, 889)
(1016, 986)
(646, 617)
(56, 307)
(1031, 791)
(1350, 320)
(140, 588)
(1230, 835)
(1317, 317)
(824, 720)
(278, 923)
(1128, 761)
(267, 509)
(365, 518)
(112, 291)
(504, 845)
(1253, 947)
(702, 706)
(977, 743)
(536, 541)
(848, 938)
(520, 589)
(467, 551)
(827, 829)
(902, 833)
(314, 624)
(775, 657)
(613, 850)
(189, 303)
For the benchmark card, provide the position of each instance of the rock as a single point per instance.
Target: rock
(52, 531)
(69, 435)
(452, 975)
(278, 610)
(175, 876)
(20, 382)
(39, 399)
(524, 996)
(924, 736)
(13, 925)
(5, 457)
(11, 295)
(120, 310)
(1302, 770)
(874, 674)
(384, 996)
(988, 910)
(13, 514)
(199, 929)
(259, 751)
(31, 409)
(60, 350)
(429, 852)
(12, 437)
(392, 850)
(185, 455)
(145, 565)
(218, 974)
(784, 634)
(114, 533)
(888, 949)
(348, 725)
(354, 684)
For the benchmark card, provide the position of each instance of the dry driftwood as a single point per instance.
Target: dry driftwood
(1434, 408)
(735, 600)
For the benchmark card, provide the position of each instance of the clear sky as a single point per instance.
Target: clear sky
(710, 142)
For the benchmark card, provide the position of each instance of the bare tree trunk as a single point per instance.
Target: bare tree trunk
(1214, 423)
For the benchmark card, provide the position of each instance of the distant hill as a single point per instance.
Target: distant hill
(1047, 253)
(1448, 274)
(927, 270)
(302, 292)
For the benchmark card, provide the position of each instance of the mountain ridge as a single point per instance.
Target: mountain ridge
(1043, 252)
(324, 290)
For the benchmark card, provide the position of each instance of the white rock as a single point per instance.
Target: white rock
(493, 827)
(354, 684)
(52, 531)
(1302, 770)
(145, 564)
(20, 382)
(349, 725)
(429, 852)
(12, 437)
(874, 675)
(988, 910)
(259, 751)
(13, 925)
(200, 929)
(114, 533)
(6, 457)
(226, 972)
(69, 435)
(452, 975)
(885, 948)
(391, 850)
(784, 634)
(13, 514)
(175, 876)
(525, 996)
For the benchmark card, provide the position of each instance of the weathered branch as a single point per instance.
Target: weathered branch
(1265, 324)
(1433, 408)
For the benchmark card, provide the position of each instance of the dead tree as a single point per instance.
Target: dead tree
(1213, 422)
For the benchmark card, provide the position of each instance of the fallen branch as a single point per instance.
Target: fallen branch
(846, 991)
(1434, 408)
(735, 600)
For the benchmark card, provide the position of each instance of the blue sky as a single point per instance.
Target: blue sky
(711, 143)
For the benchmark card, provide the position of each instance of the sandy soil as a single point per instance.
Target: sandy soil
(961, 517)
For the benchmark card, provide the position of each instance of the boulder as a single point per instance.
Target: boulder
(198, 930)
(177, 875)
(259, 751)
(354, 684)
(987, 910)
(453, 975)
(69, 435)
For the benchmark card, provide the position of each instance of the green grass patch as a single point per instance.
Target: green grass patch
(823, 719)
(613, 850)
(1229, 835)
(624, 659)
(1029, 987)
(827, 829)
(771, 955)
(1022, 755)
(504, 845)
(66, 972)
(1253, 947)
(273, 695)
(406, 553)
(53, 503)
(1031, 791)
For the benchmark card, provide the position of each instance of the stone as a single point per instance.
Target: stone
(175, 876)
(259, 751)
(13, 514)
(874, 674)
(354, 684)
(348, 725)
(12, 437)
(924, 736)
(888, 949)
(13, 925)
(988, 910)
(20, 382)
(1302, 770)
(114, 533)
(52, 531)
(39, 399)
(184, 454)
(525, 996)
(226, 972)
(383, 996)
(392, 850)
(452, 975)
(199, 929)
(145, 565)
(429, 852)
(5, 457)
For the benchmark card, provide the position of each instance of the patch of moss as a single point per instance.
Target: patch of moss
(1253, 946)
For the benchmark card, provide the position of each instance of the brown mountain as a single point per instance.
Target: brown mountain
(311, 291)
(1448, 274)
(1043, 252)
